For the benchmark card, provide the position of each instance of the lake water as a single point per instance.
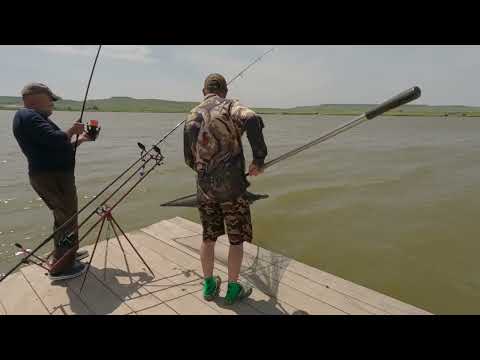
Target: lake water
(390, 205)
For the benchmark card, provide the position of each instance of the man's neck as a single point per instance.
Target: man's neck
(42, 113)
(209, 95)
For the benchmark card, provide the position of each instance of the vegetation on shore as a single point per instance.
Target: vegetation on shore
(128, 104)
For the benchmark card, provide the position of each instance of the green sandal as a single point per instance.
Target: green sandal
(211, 287)
(237, 292)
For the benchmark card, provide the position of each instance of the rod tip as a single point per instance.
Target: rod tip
(417, 91)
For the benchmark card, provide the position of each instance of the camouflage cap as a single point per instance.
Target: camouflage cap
(39, 88)
(215, 82)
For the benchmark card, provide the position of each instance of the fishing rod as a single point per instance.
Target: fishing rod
(158, 157)
(62, 227)
(230, 82)
(396, 101)
(240, 74)
(399, 100)
(106, 212)
(85, 98)
(142, 157)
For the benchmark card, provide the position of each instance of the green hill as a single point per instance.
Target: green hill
(114, 104)
(128, 104)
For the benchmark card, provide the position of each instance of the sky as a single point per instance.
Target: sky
(287, 77)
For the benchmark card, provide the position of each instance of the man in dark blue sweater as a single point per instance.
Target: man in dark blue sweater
(51, 165)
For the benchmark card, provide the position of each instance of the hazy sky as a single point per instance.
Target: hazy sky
(290, 76)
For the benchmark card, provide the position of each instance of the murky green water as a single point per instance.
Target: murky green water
(390, 205)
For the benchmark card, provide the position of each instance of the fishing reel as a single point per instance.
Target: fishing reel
(93, 130)
(158, 157)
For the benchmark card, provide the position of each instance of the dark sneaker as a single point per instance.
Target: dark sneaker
(211, 287)
(77, 270)
(237, 292)
(81, 254)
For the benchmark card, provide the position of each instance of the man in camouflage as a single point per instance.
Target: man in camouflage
(213, 149)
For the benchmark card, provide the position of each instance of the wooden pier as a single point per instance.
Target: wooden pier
(120, 284)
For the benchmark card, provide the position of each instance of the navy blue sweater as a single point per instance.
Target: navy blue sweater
(46, 147)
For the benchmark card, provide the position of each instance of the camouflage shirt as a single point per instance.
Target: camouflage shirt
(213, 132)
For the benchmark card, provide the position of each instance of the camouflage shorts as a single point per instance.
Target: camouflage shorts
(234, 214)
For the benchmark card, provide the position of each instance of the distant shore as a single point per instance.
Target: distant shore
(281, 113)
(132, 105)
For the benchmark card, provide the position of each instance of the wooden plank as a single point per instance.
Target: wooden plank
(294, 296)
(190, 305)
(193, 243)
(158, 243)
(125, 280)
(367, 309)
(173, 291)
(268, 276)
(262, 302)
(187, 224)
(305, 303)
(270, 281)
(98, 297)
(342, 301)
(311, 305)
(376, 299)
(188, 280)
(160, 265)
(58, 299)
(257, 304)
(19, 298)
(169, 230)
(187, 277)
(269, 305)
(178, 253)
(174, 280)
(3, 311)
(373, 298)
(240, 308)
(161, 309)
(265, 280)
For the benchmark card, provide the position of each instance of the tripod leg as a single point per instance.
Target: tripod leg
(107, 235)
(93, 253)
(124, 255)
(133, 247)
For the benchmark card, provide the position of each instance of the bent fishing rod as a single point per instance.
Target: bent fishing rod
(401, 99)
(142, 157)
(85, 98)
(240, 74)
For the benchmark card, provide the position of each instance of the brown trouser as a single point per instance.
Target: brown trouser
(234, 214)
(58, 191)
